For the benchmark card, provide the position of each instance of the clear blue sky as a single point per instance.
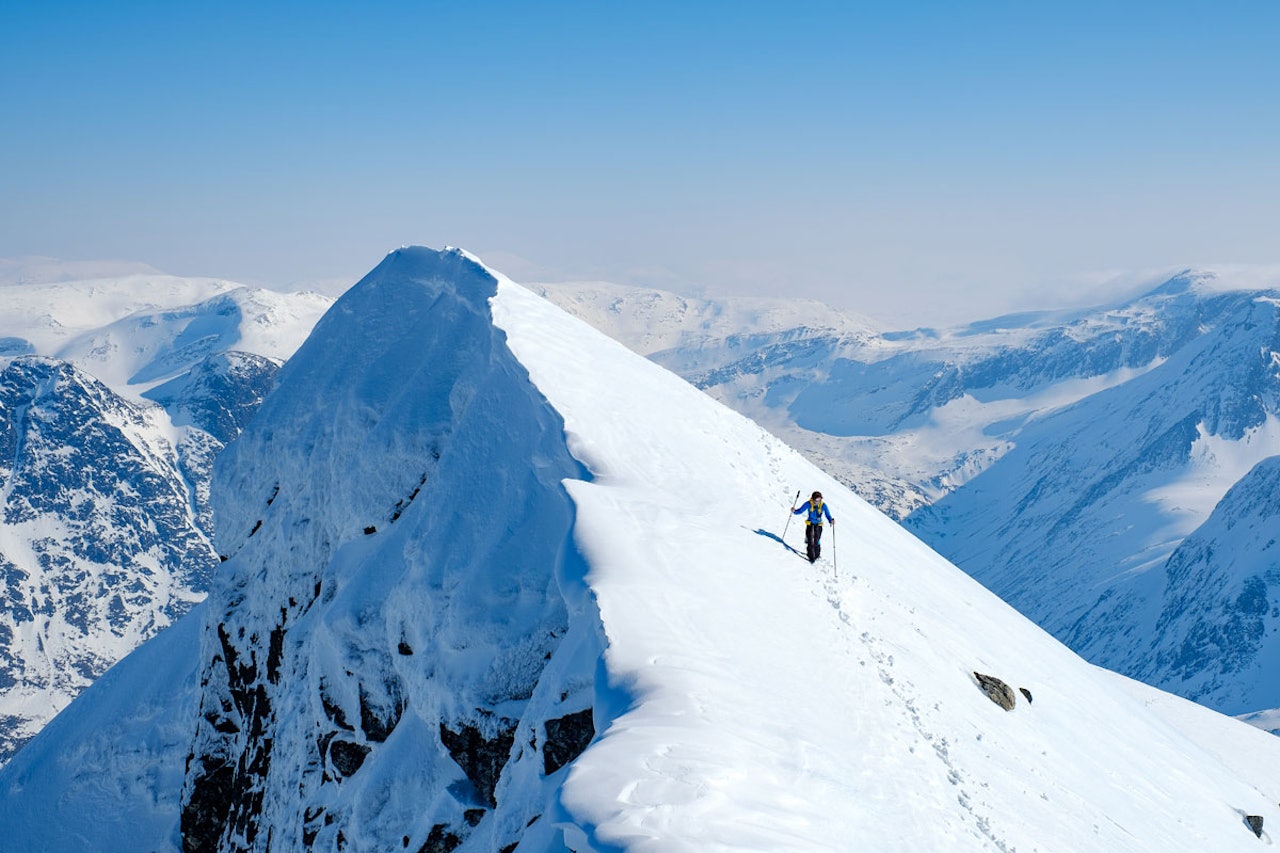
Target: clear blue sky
(917, 161)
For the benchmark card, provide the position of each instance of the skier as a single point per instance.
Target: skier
(813, 524)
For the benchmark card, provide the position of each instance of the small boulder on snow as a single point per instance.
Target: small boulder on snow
(997, 691)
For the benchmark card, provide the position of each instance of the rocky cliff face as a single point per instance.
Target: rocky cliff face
(106, 528)
(100, 546)
(1215, 638)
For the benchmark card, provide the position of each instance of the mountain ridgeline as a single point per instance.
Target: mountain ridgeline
(1061, 458)
(105, 523)
(495, 583)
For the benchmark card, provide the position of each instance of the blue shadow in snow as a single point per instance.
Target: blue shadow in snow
(776, 538)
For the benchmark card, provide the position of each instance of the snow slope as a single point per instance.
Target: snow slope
(464, 520)
(1064, 459)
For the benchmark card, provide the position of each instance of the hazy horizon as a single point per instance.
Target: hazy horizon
(923, 163)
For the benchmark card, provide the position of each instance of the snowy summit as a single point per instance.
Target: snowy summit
(496, 583)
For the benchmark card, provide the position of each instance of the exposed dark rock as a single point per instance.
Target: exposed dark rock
(370, 530)
(74, 457)
(227, 789)
(275, 651)
(220, 394)
(347, 756)
(1025, 692)
(473, 816)
(221, 724)
(311, 825)
(567, 737)
(1255, 823)
(510, 847)
(379, 717)
(997, 691)
(332, 709)
(203, 814)
(480, 758)
(403, 504)
(440, 840)
(404, 648)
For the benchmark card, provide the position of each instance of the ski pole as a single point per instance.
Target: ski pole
(835, 564)
(793, 512)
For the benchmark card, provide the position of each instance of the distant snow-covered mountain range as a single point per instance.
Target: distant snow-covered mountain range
(495, 583)
(116, 394)
(1104, 470)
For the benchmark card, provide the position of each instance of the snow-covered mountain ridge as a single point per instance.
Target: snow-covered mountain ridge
(496, 583)
(104, 518)
(1059, 457)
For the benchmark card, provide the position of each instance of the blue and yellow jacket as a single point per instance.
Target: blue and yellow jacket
(815, 510)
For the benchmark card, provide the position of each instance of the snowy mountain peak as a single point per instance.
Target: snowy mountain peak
(497, 583)
(104, 534)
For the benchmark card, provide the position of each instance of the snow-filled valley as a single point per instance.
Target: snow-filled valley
(496, 583)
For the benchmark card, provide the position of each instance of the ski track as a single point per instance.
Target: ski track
(838, 589)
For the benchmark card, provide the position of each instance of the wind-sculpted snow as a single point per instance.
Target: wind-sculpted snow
(496, 583)
(399, 536)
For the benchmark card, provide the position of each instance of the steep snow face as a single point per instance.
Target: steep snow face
(1216, 638)
(399, 536)
(899, 622)
(496, 581)
(98, 545)
(106, 773)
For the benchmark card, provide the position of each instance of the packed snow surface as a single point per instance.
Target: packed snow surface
(743, 699)
(779, 707)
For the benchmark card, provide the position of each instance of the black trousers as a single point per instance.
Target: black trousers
(812, 540)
